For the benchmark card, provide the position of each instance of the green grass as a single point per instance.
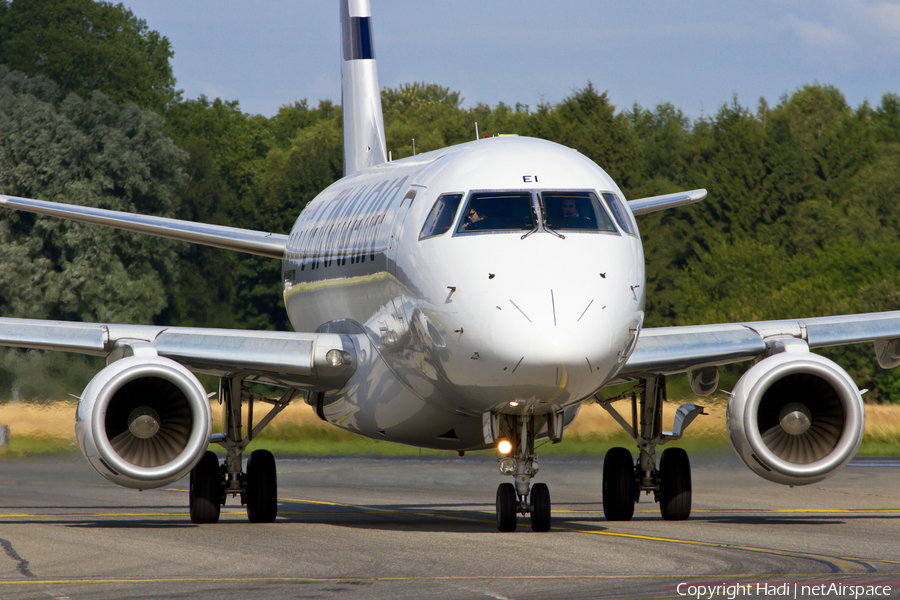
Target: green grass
(37, 446)
(879, 448)
(305, 440)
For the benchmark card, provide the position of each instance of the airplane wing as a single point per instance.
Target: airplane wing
(219, 236)
(668, 350)
(311, 361)
(642, 206)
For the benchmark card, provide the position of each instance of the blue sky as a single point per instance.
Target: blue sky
(695, 54)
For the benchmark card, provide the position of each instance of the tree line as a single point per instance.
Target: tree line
(801, 220)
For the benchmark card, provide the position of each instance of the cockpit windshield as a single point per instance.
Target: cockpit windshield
(497, 212)
(516, 211)
(574, 211)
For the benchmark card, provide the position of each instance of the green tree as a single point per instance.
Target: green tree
(238, 142)
(663, 135)
(886, 119)
(817, 144)
(502, 119)
(587, 122)
(90, 152)
(85, 46)
(426, 112)
(293, 177)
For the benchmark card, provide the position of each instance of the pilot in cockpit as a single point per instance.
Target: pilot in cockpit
(476, 219)
(569, 209)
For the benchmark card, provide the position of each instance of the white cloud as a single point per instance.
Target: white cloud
(820, 36)
(882, 15)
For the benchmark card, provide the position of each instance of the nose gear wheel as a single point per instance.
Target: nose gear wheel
(540, 507)
(522, 497)
(506, 507)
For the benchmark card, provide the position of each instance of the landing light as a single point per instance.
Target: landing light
(504, 447)
(513, 403)
(336, 357)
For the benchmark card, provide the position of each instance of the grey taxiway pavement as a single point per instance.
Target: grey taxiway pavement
(407, 528)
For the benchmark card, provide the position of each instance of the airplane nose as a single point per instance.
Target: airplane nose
(564, 346)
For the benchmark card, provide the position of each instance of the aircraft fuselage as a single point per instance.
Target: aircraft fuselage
(458, 322)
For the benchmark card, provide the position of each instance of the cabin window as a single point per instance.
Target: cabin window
(497, 212)
(622, 215)
(579, 211)
(440, 219)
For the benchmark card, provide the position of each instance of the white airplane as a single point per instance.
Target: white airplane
(462, 299)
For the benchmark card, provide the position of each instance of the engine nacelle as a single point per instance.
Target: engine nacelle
(795, 418)
(143, 422)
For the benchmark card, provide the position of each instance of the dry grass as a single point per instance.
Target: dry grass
(883, 423)
(593, 421)
(57, 421)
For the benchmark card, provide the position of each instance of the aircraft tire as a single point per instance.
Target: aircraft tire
(675, 485)
(619, 486)
(540, 507)
(506, 507)
(205, 494)
(262, 487)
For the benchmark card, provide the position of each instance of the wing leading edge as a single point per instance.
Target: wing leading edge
(230, 238)
(301, 360)
(667, 350)
(642, 206)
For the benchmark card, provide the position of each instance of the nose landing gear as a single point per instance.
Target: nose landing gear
(513, 499)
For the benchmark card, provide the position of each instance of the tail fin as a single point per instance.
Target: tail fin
(364, 144)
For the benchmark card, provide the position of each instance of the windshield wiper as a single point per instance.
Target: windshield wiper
(554, 232)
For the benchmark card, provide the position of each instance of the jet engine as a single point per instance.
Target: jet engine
(795, 418)
(143, 421)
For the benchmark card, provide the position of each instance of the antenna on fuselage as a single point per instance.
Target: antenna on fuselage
(476, 130)
(414, 146)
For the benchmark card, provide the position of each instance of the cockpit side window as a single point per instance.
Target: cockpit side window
(498, 212)
(580, 211)
(440, 219)
(623, 217)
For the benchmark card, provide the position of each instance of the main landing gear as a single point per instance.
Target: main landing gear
(670, 482)
(211, 483)
(521, 497)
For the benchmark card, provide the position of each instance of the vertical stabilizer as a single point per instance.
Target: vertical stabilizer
(364, 144)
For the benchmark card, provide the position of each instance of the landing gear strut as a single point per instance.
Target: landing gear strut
(623, 480)
(211, 483)
(521, 497)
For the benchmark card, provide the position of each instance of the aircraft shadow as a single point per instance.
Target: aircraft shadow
(421, 517)
(84, 507)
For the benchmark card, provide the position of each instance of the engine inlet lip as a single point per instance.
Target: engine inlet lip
(135, 367)
(848, 443)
